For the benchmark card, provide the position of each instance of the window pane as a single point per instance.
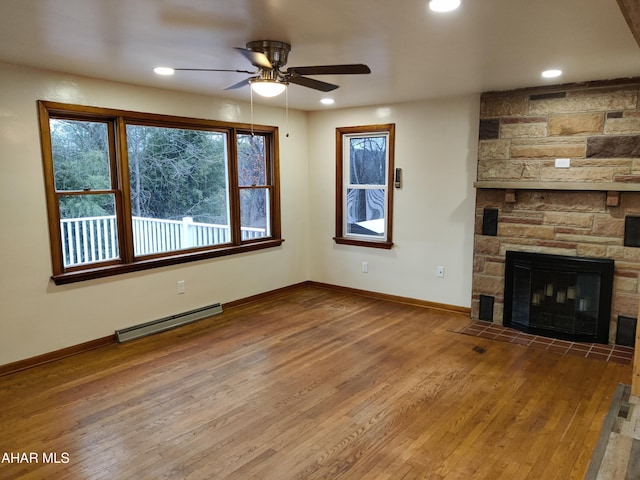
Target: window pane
(179, 190)
(367, 160)
(171, 194)
(88, 229)
(80, 155)
(252, 161)
(254, 213)
(365, 211)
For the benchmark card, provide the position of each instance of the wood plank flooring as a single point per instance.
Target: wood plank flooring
(617, 455)
(309, 384)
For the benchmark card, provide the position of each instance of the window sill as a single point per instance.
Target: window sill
(363, 243)
(110, 270)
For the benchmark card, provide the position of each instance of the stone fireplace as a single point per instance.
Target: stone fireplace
(559, 174)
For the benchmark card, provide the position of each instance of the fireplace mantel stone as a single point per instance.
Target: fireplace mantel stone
(584, 186)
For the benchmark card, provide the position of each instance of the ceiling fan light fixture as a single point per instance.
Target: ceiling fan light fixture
(444, 5)
(268, 88)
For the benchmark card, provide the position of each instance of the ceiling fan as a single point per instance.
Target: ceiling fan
(269, 57)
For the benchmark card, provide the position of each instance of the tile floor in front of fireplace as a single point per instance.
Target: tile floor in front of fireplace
(611, 353)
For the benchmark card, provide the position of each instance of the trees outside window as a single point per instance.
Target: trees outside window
(129, 191)
(364, 175)
(177, 174)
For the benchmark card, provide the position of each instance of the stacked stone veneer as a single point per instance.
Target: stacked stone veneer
(522, 132)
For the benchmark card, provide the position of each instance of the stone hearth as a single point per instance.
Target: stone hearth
(525, 203)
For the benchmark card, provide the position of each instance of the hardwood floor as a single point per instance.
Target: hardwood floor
(309, 384)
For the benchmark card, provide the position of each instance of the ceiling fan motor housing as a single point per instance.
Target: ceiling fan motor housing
(277, 52)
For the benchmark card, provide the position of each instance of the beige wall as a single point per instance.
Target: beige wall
(37, 316)
(436, 145)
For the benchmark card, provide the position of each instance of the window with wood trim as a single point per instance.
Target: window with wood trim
(364, 180)
(128, 191)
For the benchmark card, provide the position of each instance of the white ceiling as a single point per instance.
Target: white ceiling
(414, 54)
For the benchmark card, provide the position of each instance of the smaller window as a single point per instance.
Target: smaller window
(255, 186)
(364, 175)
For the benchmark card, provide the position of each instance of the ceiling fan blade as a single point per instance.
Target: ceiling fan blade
(257, 59)
(241, 84)
(350, 69)
(311, 83)
(211, 70)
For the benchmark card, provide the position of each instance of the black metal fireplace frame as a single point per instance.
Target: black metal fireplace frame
(604, 267)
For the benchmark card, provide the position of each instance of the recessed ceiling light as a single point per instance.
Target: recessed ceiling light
(443, 5)
(551, 73)
(164, 70)
(327, 101)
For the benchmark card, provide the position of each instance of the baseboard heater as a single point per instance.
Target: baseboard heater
(167, 323)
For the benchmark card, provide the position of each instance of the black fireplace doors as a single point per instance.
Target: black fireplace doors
(558, 296)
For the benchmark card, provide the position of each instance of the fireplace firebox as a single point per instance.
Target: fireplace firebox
(558, 296)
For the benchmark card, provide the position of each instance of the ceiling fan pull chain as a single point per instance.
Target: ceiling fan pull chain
(286, 110)
(251, 90)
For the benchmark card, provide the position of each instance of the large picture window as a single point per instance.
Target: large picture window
(364, 197)
(129, 191)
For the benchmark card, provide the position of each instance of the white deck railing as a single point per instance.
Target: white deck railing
(95, 239)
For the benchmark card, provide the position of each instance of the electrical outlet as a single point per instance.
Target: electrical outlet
(180, 287)
(365, 267)
(440, 271)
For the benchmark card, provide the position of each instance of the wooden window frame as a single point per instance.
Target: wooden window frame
(117, 121)
(341, 236)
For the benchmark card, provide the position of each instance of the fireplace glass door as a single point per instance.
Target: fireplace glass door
(557, 296)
